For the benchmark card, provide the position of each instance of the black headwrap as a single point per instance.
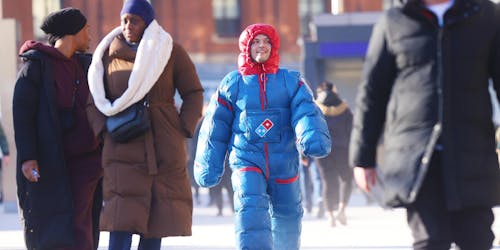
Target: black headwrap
(326, 96)
(67, 21)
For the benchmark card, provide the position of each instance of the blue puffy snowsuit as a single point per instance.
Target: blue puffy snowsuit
(261, 114)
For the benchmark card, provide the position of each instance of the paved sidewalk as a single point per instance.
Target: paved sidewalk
(369, 228)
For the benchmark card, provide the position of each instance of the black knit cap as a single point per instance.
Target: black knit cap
(67, 21)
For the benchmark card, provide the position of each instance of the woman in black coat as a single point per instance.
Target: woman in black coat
(336, 174)
(58, 157)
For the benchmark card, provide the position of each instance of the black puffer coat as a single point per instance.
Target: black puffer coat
(422, 85)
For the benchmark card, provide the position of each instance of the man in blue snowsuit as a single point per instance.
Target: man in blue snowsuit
(262, 115)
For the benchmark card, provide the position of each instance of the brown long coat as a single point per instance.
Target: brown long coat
(146, 185)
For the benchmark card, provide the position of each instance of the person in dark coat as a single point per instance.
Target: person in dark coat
(4, 155)
(425, 95)
(215, 192)
(58, 157)
(190, 153)
(336, 174)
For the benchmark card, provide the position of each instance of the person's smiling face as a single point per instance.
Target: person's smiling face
(132, 27)
(260, 49)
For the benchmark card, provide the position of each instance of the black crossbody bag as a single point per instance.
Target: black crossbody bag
(130, 123)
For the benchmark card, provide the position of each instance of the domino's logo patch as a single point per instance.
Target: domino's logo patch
(264, 127)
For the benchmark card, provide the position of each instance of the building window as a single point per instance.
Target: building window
(337, 6)
(307, 10)
(227, 17)
(41, 8)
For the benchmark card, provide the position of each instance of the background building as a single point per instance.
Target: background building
(208, 29)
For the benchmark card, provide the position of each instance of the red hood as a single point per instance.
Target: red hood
(49, 50)
(246, 65)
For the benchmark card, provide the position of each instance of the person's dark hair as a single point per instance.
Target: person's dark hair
(326, 85)
(326, 96)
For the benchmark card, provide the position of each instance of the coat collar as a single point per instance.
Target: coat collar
(152, 57)
(120, 49)
(461, 9)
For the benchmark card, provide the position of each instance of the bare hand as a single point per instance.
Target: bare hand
(29, 168)
(366, 178)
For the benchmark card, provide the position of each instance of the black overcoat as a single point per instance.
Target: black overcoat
(46, 206)
(426, 85)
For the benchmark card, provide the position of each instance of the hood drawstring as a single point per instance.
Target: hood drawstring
(262, 87)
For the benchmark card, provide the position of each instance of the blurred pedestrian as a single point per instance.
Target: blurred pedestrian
(191, 152)
(216, 191)
(146, 183)
(310, 182)
(306, 182)
(58, 159)
(317, 196)
(261, 115)
(4, 155)
(336, 174)
(425, 90)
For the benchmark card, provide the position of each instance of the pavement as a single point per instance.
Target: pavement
(369, 228)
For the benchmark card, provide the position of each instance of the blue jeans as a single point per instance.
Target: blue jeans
(119, 240)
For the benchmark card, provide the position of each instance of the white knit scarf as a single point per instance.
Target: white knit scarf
(152, 56)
